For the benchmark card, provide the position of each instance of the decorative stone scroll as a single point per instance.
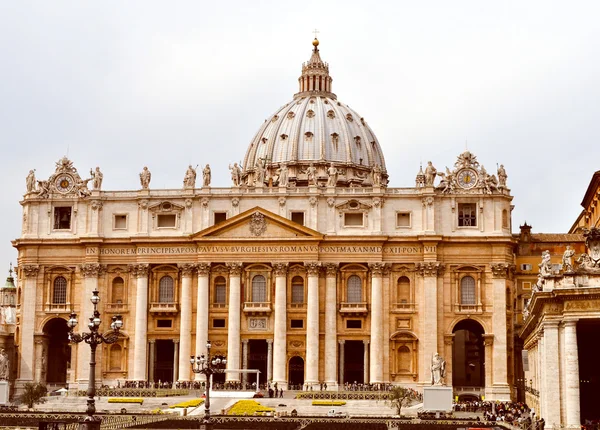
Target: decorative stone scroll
(312, 267)
(235, 269)
(430, 268)
(96, 205)
(187, 269)
(92, 270)
(500, 270)
(30, 270)
(140, 270)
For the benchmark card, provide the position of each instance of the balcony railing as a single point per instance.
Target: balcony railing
(219, 305)
(164, 308)
(257, 307)
(116, 307)
(297, 305)
(469, 308)
(403, 307)
(58, 307)
(356, 308)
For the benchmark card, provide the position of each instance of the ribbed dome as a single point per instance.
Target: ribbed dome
(315, 128)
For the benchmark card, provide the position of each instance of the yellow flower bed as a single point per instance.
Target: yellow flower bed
(248, 407)
(328, 403)
(189, 404)
(126, 400)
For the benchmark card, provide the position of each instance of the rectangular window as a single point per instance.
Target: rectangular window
(219, 217)
(403, 220)
(218, 323)
(526, 267)
(62, 218)
(298, 217)
(166, 221)
(164, 323)
(353, 220)
(220, 294)
(353, 324)
(467, 215)
(297, 323)
(120, 222)
(527, 285)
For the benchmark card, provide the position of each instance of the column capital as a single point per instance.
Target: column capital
(92, 270)
(377, 269)
(312, 267)
(151, 341)
(175, 341)
(235, 269)
(570, 323)
(269, 341)
(280, 269)
(203, 269)
(449, 339)
(366, 342)
(245, 341)
(140, 270)
(331, 268)
(500, 270)
(488, 339)
(430, 268)
(186, 269)
(30, 270)
(341, 342)
(551, 325)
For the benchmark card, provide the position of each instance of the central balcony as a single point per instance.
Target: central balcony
(257, 308)
(354, 308)
(164, 308)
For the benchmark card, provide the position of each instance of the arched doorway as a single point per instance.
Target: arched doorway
(296, 372)
(468, 355)
(58, 356)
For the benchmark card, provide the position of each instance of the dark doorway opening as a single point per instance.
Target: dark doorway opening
(468, 355)
(354, 361)
(163, 365)
(58, 358)
(589, 372)
(257, 359)
(296, 372)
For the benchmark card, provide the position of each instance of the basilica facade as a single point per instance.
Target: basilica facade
(308, 268)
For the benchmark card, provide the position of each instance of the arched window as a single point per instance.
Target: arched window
(220, 290)
(59, 295)
(354, 289)
(259, 289)
(115, 357)
(403, 290)
(166, 291)
(117, 290)
(404, 359)
(467, 291)
(297, 289)
(504, 218)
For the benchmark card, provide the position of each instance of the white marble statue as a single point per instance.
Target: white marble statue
(30, 181)
(283, 175)
(236, 174)
(376, 175)
(311, 174)
(430, 173)
(438, 370)
(567, 259)
(332, 171)
(189, 180)
(545, 266)
(502, 176)
(4, 365)
(97, 177)
(259, 172)
(206, 176)
(145, 177)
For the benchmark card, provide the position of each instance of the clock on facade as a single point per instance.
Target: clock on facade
(467, 178)
(64, 183)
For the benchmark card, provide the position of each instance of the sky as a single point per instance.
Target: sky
(122, 85)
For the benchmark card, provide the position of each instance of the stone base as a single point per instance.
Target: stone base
(501, 393)
(437, 398)
(4, 392)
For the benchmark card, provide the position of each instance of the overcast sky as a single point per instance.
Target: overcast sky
(121, 85)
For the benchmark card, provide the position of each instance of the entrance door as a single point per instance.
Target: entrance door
(589, 371)
(296, 373)
(257, 359)
(58, 358)
(468, 355)
(163, 366)
(354, 361)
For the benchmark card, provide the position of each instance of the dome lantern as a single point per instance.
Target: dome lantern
(315, 77)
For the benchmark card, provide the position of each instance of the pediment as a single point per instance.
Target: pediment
(257, 223)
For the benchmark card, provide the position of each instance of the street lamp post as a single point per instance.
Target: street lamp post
(207, 367)
(93, 338)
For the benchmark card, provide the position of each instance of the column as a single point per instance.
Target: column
(176, 360)
(269, 360)
(448, 342)
(572, 374)
(376, 368)
(233, 335)
(244, 361)
(152, 359)
(488, 345)
(500, 377)
(140, 271)
(341, 379)
(280, 326)
(185, 321)
(551, 410)
(331, 326)
(312, 325)
(30, 273)
(90, 272)
(366, 361)
(39, 346)
(202, 305)
(429, 328)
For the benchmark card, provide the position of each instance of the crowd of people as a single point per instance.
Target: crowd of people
(515, 413)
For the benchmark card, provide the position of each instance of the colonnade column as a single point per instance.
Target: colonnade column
(176, 345)
(269, 360)
(90, 272)
(376, 366)
(185, 322)
(244, 361)
(140, 271)
(280, 329)
(152, 359)
(30, 273)
(428, 343)
(501, 389)
(551, 410)
(233, 335)
(572, 374)
(342, 359)
(331, 326)
(312, 325)
(366, 361)
(202, 313)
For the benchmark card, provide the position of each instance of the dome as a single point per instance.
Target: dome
(315, 128)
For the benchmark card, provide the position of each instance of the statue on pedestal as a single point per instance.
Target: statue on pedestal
(430, 173)
(438, 370)
(567, 259)
(145, 177)
(206, 176)
(189, 180)
(332, 171)
(30, 181)
(311, 174)
(4, 365)
(97, 177)
(236, 174)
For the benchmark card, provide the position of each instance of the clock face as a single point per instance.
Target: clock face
(467, 178)
(64, 183)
